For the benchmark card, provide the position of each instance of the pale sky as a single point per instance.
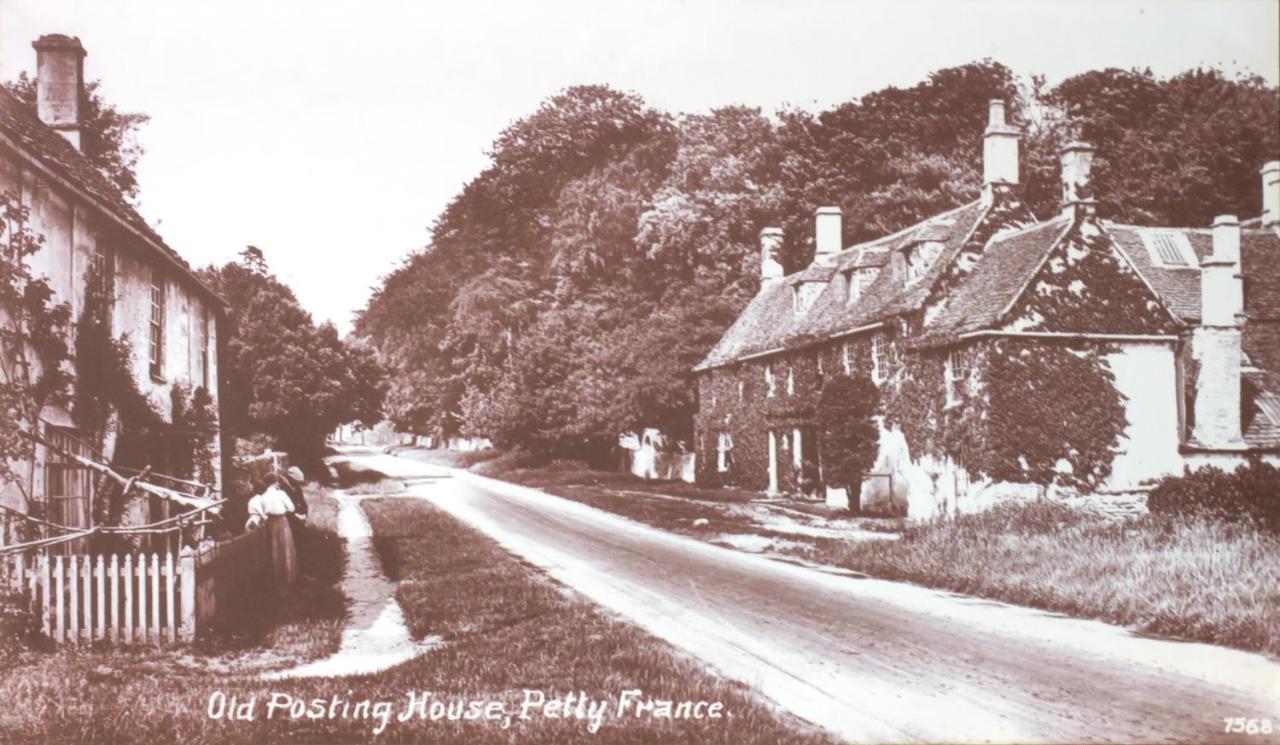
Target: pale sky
(331, 133)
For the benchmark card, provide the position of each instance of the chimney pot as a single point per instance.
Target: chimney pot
(1076, 159)
(60, 83)
(770, 255)
(828, 234)
(999, 150)
(1271, 194)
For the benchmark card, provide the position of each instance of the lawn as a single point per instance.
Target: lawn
(1194, 579)
(508, 629)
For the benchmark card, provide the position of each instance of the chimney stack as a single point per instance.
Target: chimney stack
(999, 150)
(770, 256)
(828, 235)
(1077, 190)
(1216, 343)
(1271, 194)
(60, 83)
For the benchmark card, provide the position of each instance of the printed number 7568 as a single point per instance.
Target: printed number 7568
(1246, 726)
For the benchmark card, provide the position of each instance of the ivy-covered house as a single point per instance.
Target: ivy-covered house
(142, 339)
(1013, 353)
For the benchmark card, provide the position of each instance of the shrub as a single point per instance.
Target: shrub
(850, 438)
(1251, 493)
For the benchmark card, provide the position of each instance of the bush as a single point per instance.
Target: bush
(1251, 493)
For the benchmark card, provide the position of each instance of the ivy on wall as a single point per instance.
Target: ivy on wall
(1086, 286)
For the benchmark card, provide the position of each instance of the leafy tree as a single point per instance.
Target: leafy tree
(108, 136)
(846, 411)
(284, 376)
(33, 347)
(569, 289)
(1174, 151)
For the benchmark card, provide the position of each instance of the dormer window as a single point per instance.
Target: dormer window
(804, 295)
(920, 257)
(857, 280)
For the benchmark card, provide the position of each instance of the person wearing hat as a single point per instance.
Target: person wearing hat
(292, 483)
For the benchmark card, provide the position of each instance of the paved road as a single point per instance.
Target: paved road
(868, 659)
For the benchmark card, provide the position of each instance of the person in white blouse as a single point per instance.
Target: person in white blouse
(269, 499)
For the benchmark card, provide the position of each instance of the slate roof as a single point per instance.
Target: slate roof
(20, 124)
(769, 321)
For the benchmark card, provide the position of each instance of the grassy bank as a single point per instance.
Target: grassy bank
(1198, 580)
(507, 629)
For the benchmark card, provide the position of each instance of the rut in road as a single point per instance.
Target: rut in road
(375, 636)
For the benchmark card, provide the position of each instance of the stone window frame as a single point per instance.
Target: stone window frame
(791, 380)
(955, 374)
(846, 358)
(770, 385)
(879, 357)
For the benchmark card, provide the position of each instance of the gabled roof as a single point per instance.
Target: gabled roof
(770, 323)
(22, 130)
(1007, 264)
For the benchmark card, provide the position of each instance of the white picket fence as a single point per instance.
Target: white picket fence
(136, 598)
(160, 597)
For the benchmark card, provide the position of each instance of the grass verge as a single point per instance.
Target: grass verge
(1194, 579)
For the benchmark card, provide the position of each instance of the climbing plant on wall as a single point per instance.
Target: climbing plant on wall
(33, 348)
(1055, 415)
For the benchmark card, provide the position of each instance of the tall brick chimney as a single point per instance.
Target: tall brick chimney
(828, 236)
(60, 83)
(999, 150)
(770, 256)
(1216, 343)
(1271, 194)
(1077, 169)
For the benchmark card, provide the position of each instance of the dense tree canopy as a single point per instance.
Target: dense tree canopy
(569, 288)
(284, 376)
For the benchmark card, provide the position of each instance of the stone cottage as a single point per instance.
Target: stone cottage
(1014, 354)
(169, 317)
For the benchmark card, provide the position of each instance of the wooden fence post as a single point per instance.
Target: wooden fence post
(87, 632)
(58, 599)
(172, 630)
(128, 598)
(187, 587)
(102, 600)
(155, 597)
(44, 594)
(73, 618)
(115, 598)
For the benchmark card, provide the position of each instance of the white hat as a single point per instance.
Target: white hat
(295, 473)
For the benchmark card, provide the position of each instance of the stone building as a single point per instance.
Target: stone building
(169, 317)
(1014, 354)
